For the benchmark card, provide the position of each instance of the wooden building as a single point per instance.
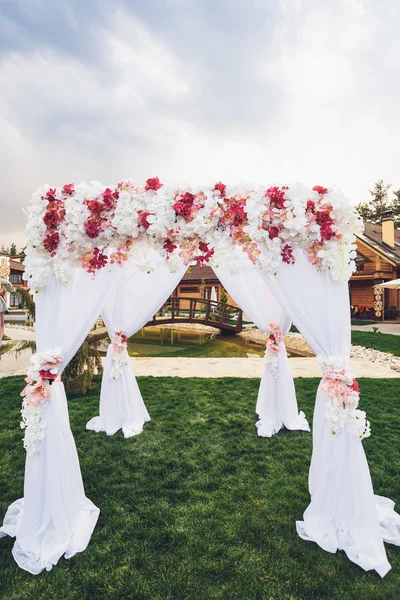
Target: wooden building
(378, 260)
(198, 282)
(11, 268)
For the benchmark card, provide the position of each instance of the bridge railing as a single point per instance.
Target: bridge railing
(192, 310)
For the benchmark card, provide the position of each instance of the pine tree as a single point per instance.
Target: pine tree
(13, 249)
(396, 208)
(372, 210)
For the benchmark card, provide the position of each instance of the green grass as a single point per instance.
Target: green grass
(360, 322)
(384, 342)
(198, 507)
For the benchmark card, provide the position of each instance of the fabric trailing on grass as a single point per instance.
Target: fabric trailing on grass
(342, 513)
(276, 402)
(55, 517)
(138, 297)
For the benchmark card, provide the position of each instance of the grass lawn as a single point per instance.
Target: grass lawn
(198, 507)
(385, 342)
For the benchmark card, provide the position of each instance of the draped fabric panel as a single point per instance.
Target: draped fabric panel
(276, 402)
(343, 512)
(138, 297)
(54, 517)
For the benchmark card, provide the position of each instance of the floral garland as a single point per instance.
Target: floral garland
(43, 370)
(274, 346)
(92, 226)
(120, 357)
(344, 394)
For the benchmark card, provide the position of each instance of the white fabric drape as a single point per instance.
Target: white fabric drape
(343, 513)
(130, 307)
(55, 517)
(276, 403)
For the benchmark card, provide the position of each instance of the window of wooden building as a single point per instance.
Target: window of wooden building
(189, 289)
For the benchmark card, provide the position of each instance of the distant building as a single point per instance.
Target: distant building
(198, 282)
(11, 268)
(378, 260)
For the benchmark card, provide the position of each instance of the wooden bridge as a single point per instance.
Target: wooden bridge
(226, 317)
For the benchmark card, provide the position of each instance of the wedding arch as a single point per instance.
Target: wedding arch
(285, 253)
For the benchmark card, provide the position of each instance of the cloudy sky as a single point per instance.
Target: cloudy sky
(196, 90)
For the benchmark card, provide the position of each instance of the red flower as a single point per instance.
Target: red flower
(142, 218)
(273, 232)
(354, 386)
(51, 242)
(95, 206)
(169, 246)
(325, 222)
(203, 247)
(202, 259)
(109, 197)
(68, 189)
(93, 227)
(276, 196)
(51, 218)
(238, 212)
(183, 209)
(184, 205)
(47, 375)
(310, 206)
(153, 184)
(221, 188)
(99, 259)
(287, 255)
(320, 189)
(51, 195)
(188, 198)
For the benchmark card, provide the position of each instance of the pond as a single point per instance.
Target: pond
(157, 341)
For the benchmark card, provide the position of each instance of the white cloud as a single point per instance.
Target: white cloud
(311, 94)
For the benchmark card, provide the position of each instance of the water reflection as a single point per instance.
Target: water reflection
(156, 341)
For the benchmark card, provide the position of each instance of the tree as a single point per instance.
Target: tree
(372, 210)
(13, 249)
(396, 208)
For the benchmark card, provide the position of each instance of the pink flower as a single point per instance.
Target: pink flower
(221, 188)
(320, 189)
(68, 189)
(354, 386)
(51, 242)
(36, 393)
(153, 184)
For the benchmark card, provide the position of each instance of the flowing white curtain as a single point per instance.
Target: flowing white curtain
(129, 308)
(343, 513)
(276, 403)
(55, 517)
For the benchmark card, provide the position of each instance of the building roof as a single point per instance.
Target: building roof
(372, 236)
(197, 273)
(16, 266)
